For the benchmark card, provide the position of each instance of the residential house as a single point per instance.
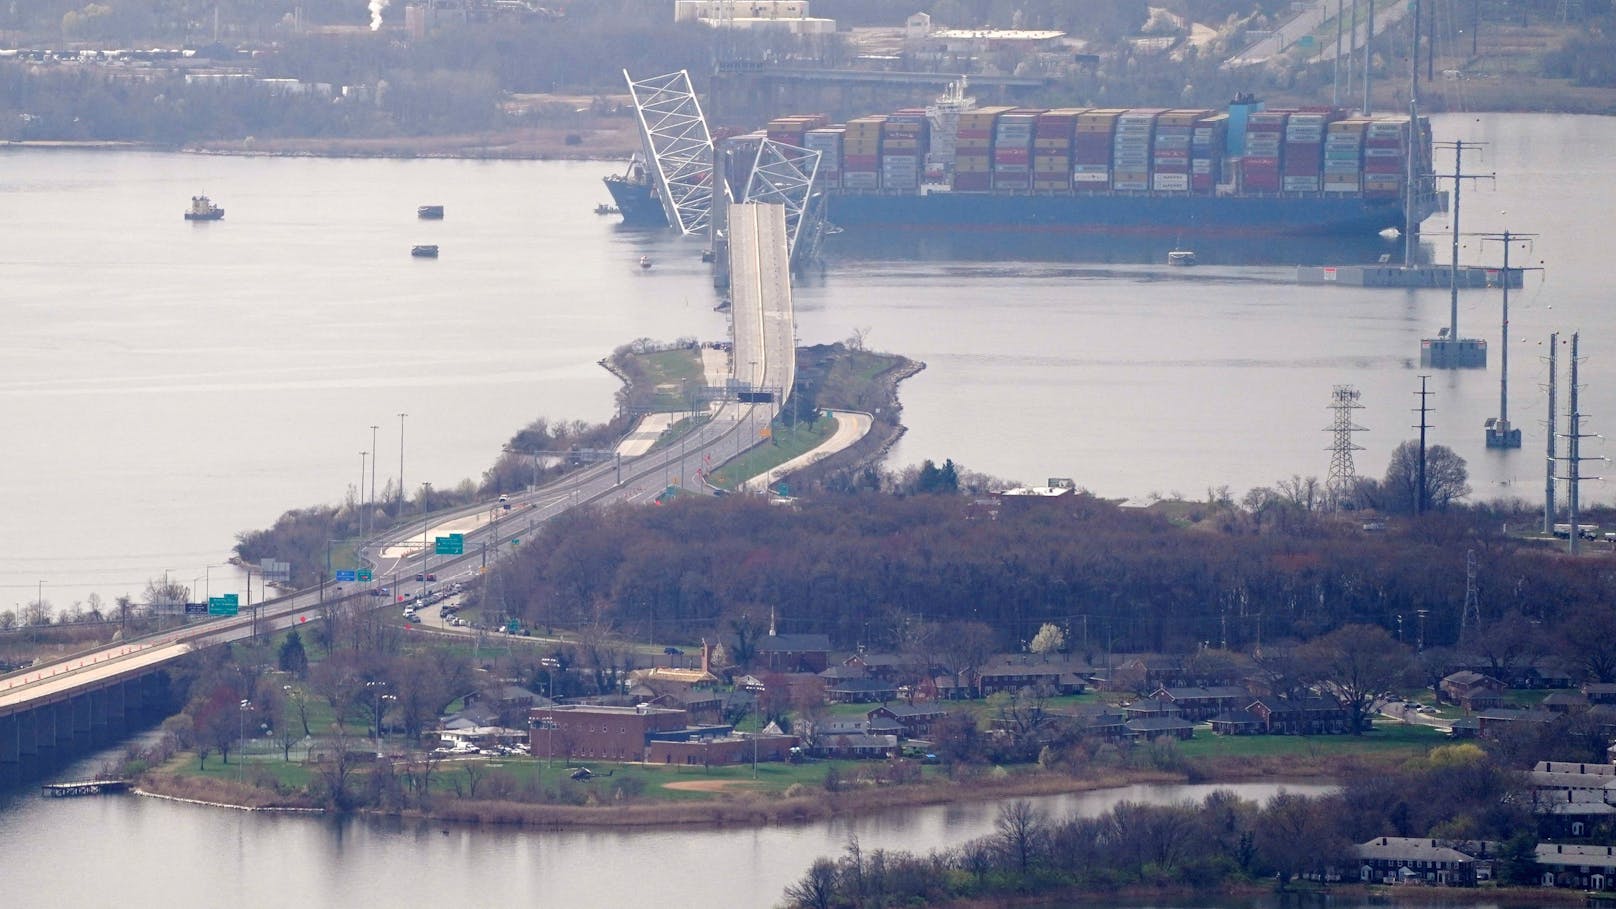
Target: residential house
(1600, 692)
(1577, 867)
(1489, 721)
(1312, 716)
(793, 652)
(859, 691)
(1417, 860)
(916, 719)
(1203, 703)
(1051, 672)
(856, 745)
(1472, 690)
(1152, 728)
(1570, 799)
(1236, 722)
(1563, 701)
(1094, 721)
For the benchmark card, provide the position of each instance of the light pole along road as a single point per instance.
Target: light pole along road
(764, 335)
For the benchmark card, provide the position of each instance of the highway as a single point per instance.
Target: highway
(764, 344)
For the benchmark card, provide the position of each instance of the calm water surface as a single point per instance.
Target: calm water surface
(109, 850)
(165, 385)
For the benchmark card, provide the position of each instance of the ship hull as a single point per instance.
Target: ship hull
(638, 202)
(1143, 214)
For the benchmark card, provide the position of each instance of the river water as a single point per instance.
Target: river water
(165, 385)
(140, 852)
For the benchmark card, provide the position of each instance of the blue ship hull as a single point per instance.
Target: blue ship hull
(1129, 213)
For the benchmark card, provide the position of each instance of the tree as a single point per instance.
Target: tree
(292, 657)
(1446, 479)
(817, 888)
(1356, 663)
(1021, 830)
(1049, 639)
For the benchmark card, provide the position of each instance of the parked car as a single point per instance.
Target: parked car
(673, 651)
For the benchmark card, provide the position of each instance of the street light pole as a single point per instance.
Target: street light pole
(373, 448)
(359, 501)
(401, 416)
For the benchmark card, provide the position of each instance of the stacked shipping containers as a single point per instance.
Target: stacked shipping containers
(1265, 134)
(1131, 147)
(1384, 156)
(1091, 148)
(1170, 151)
(861, 153)
(1207, 142)
(903, 148)
(1304, 151)
(1052, 149)
(1012, 149)
(973, 149)
(828, 142)
(1343, 155)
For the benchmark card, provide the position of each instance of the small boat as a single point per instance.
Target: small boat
(645, 261)
(203, 209)
(604, 209)
(430, 212)
(706, 255)
(1181, 257)
(424, 251)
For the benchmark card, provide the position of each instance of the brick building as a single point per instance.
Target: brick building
(609, 733)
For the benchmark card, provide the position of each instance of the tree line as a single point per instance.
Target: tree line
(1456, 793)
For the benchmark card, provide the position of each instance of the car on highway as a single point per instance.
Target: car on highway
(378, 592)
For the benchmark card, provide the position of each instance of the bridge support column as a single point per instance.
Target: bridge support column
(81, 709)
(10, 749)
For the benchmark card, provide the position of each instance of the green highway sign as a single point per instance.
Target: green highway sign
(365, 575)
(453, 544)
(228, 604)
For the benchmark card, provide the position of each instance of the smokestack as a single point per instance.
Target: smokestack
(376, 7)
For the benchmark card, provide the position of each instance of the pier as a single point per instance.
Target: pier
(84, 787)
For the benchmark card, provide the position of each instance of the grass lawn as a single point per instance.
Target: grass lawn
(785, 443)
(670, 374)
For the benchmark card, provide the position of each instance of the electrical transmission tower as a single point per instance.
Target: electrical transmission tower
(1341, 485)
(1470, 616)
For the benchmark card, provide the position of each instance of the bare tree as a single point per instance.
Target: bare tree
(1021, 830)
(817, 888)
(1357, 663)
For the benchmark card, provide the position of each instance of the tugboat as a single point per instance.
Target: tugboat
(203, 209)
(604, 209)
(1181, 257)
(430, 213)
(425, 251)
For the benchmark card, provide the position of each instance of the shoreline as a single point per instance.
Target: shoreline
(726, 809)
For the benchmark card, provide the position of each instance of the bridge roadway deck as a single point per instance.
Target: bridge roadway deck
(760, 305)
(764, 359)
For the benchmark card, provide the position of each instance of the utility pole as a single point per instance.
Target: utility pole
(359, 502)
(1448, 350)
(1499, 432)
(1421, 492)
(1549, 511)
(1574, 456)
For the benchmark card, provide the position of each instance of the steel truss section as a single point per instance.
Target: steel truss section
(784, 174)
(678, 147)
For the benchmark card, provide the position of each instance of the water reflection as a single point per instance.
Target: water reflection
(856, 244)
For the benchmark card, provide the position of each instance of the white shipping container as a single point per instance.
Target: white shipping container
(1171, 182)
(1090, 177)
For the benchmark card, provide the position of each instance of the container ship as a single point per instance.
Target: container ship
(1246, 170)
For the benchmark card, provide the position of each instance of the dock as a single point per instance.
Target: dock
(1466, 277)
(84, 787)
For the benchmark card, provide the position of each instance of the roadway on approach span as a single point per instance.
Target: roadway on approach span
(764, 344)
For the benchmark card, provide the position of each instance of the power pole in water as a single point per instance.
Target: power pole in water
(1549, 511)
